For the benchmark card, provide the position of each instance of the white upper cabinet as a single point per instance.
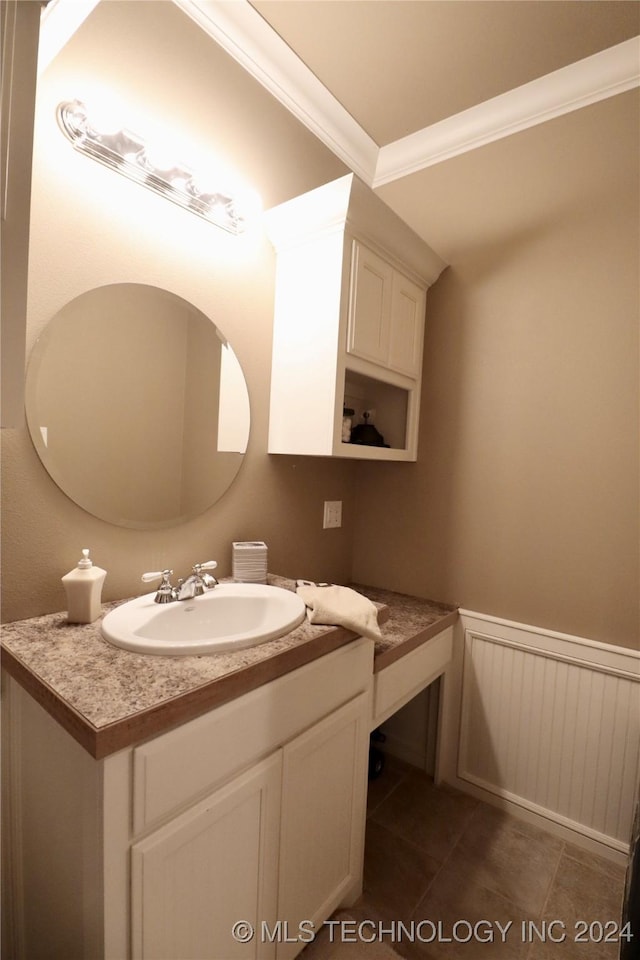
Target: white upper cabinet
(351, 283)
(386, 314)
(369, 305)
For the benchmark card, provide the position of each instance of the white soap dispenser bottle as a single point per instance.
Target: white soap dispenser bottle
(83, 586)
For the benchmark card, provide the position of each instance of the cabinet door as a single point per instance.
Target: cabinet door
(408, 304)
(369, 305)
(323, 818)
(208, 868)
(386, 314)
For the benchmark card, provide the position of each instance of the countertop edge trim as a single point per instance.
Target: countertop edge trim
(81, 729)
(129, 731)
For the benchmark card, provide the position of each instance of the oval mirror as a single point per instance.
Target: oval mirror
(137, 406)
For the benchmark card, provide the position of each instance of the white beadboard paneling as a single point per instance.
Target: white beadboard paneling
(551, 722)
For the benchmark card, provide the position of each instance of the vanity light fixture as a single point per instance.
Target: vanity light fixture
(130, 155)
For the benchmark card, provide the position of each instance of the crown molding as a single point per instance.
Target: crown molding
(59, 21)
(587, 81)
(247, 37)
(240, 30)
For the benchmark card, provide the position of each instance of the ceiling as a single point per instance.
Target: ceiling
(476, 120)
(400, 65)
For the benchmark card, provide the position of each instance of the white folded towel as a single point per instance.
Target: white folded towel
(342, 607)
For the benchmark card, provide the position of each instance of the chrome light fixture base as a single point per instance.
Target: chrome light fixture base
(128, 154)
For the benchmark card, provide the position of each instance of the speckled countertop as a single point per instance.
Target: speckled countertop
(108, 698)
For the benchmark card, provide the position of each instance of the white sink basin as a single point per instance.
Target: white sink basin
(231, 616)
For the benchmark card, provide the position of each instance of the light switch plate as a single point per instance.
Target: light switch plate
(332, 514)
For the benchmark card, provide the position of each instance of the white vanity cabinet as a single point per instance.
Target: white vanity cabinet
(321, 842)
(217, 861)
(252, 812)
(349, 313)
(278, 846)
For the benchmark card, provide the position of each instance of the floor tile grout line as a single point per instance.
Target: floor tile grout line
(402, 778)
(446, 860)
(428, 888)
(456, 850)
(417, 847)
(419, 850)
(548, 894)
(592, 866)
(553, 880)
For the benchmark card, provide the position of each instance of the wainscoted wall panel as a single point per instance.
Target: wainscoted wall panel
(552, 723)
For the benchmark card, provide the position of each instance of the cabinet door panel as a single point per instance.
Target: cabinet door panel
(407, 326)
(214, 865)
(323, 817)
(369, 307)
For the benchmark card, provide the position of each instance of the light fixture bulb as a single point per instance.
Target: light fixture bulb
(102, 120)
(181, 182)
(159, 158)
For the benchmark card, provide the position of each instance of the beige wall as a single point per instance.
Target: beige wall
(524, 502)
(91, 227)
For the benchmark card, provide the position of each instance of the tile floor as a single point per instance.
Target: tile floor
(434, 854)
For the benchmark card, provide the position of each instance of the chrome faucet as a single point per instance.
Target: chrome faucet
(193, 586)
(198, 582)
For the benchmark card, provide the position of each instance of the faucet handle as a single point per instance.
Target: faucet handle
(208, 565)
(148, 577)
(166, 592)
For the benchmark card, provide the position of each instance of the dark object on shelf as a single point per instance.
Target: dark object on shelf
(376, 763)
(376, 757)
(366, 434)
